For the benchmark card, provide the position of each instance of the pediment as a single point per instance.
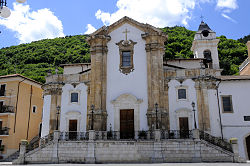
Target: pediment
(105, 30)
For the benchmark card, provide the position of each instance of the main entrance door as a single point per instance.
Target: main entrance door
(72, 129)
(248, 146)
(126, 124)
(184, 129)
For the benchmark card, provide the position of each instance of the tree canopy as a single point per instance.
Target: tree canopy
(35, 59)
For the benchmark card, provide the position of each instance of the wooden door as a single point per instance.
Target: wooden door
(248, 146)
(72, 129)
(126, 124)
(184, 129)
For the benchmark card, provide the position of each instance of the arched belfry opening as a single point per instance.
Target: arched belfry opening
(208, 59)
(248, 146)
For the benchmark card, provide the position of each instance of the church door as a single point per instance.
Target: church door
(248, 146)
(72, 129)
(126, 124)
(184, 129)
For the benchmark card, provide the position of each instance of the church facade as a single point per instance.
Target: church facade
(129, 88)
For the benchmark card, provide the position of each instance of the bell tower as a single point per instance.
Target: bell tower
(205, 46)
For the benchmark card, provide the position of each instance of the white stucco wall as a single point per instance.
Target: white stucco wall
(182, 108)
(46, 115)
(74, 111)
(214, 113)
(233, 123)
(74, 69)
(135, 83)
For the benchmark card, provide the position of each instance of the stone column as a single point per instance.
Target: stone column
(157, 133)
(196, 134)
(21, 158)
(155, 50)
(235, 146)
(55, 154)
(202, 105)
(55, 90)
(90, 159)
(98, 85)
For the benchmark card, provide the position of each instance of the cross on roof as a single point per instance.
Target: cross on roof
(126, 32)
(202, 18)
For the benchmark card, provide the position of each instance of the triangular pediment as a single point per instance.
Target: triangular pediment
(126, 20)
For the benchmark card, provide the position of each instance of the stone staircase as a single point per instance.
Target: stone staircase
(11, 157)
(196, 147)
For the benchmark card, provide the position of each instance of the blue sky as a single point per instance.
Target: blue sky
(41, 19)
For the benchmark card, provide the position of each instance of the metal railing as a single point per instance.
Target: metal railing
(4, 131)
(176, 134)
(243, 65)
(216, 141)
(39, 142)
(7, 109)
(74, 136)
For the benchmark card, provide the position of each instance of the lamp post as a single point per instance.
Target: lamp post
(57, 114)
(156, 111)
(4, 10)
(92, 116)
(193, 105)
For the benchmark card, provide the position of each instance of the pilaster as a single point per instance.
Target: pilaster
(98, 85)
(155, 50)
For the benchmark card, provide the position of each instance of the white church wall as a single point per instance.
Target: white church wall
(74, 111)
(233, 123)
(181, 108)
(135, 83)
(46, 115)
(214, 113)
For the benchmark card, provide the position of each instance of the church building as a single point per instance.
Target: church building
(129, 88)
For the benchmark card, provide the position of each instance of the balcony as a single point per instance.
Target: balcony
(6, 109)
(4, 131)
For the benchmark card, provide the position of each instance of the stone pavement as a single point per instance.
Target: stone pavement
(163, 164)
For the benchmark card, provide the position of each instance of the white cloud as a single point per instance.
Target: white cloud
(229, 18)
(159, 13)
(33, 25)
(229, 4)
(90, 29)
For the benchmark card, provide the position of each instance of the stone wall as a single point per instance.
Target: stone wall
(129, 152)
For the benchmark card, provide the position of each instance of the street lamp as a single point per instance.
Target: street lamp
(156, 111)
(92, 116)
(57, 114)
(4, 10)
(193, 105)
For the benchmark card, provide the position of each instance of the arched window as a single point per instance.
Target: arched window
(209, 60)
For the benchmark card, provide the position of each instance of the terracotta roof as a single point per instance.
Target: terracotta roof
(232, 78)
(19, 75)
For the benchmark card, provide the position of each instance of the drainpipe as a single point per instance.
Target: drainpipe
(27, 136)
(218, 101)
(18, 87)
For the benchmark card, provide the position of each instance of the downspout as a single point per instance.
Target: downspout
(29, 113)
(18, 87)
(218, 101)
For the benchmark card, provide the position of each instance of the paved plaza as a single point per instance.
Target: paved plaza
(163, 164)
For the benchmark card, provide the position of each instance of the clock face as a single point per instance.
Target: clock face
(205, 33)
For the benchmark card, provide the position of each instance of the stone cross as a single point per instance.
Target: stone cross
(202, 18)
(126, 32)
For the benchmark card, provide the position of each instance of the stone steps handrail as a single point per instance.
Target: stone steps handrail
(216, 141)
